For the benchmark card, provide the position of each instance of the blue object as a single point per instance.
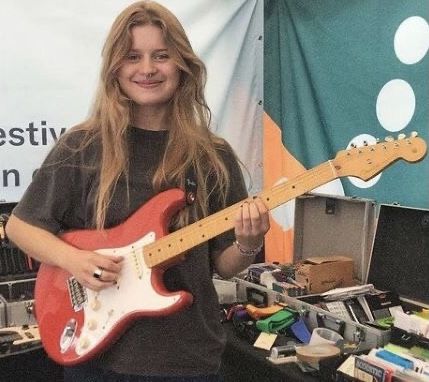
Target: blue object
(300, 330)
(396, 359)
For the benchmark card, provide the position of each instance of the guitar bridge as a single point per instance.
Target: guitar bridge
(77, 294)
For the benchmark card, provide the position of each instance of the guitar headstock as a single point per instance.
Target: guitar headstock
(367, 161)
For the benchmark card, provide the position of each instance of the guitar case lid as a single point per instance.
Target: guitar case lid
(400, 253)
(332, 225)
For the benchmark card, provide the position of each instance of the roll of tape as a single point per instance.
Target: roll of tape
(321, 336)
(312, 354)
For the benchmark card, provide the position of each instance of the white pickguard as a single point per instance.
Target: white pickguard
(133, 292)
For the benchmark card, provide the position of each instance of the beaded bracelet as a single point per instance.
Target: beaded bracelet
(248, 252)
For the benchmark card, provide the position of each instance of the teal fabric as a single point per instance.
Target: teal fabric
(325, 62)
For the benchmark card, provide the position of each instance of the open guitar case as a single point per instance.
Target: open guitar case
(327, 225)
(389, 245)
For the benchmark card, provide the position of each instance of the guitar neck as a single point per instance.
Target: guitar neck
(167, 248)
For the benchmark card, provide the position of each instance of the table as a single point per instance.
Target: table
(28, 366)
(243, 362)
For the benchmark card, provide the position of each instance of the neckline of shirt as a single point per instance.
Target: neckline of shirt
(149, 133)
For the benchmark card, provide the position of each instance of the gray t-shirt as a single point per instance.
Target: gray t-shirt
(61, 197)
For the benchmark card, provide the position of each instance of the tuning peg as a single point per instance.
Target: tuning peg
(389, 138)
(414, 134)
(401, 136)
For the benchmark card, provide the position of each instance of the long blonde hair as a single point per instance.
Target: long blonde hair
(190, 143)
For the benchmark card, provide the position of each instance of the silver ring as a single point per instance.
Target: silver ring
(97, 273)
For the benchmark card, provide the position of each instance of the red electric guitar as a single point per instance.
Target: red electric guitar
(77, 323)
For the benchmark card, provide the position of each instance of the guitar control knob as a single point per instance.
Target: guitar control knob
(92, 324)
(84, 343)
(95, 305)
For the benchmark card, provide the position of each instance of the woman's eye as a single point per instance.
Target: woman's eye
(132, 57)
(162, 57)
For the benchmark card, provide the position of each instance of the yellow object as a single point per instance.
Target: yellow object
(423, 314)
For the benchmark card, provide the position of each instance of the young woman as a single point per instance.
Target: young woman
(148, 132)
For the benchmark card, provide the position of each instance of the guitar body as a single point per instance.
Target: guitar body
(76, 323)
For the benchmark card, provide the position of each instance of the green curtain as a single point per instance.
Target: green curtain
(325, 62)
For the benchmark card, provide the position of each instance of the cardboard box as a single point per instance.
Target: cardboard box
(323, 273)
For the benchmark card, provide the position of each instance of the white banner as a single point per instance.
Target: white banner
(50, 59)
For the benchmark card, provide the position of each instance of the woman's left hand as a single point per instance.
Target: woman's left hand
(251, 224)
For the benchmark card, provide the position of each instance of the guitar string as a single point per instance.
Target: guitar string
(187, 235)
(211, 223)
(310, 175)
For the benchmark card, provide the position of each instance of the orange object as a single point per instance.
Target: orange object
(257, 313)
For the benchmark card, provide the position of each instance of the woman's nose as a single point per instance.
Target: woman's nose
(147, 66)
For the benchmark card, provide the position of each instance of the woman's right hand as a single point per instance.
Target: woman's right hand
(95, 271)
(50, 249)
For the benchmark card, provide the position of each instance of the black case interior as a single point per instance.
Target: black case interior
(400, 253)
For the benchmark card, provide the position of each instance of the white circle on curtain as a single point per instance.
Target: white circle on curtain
(411, 40)
(396, 104)
(358, 141)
